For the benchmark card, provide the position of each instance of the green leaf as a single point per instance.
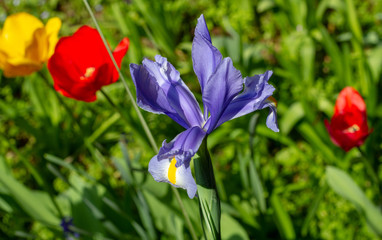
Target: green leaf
(104, 127)
(282, 219)
(294, 114)
(353, 20)
(164, 214)
(309, 133)
(257, 188)
(36, 204)
(344, 186)
(313, 209)
(231, 229)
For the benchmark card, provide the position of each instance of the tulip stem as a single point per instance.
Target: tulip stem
(140, 116)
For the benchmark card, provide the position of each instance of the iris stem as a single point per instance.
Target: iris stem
(209, 202)
(140, 116)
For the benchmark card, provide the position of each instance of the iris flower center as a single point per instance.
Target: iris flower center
(172, 171)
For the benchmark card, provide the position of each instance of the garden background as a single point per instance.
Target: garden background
(86, 163)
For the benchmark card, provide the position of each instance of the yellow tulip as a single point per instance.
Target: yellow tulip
(26, 44)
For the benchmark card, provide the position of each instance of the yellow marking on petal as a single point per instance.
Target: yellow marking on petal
(89, 72)
(273, 100)
(172, 171)
(354, 128)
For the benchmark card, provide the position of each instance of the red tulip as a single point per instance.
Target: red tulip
(81, 65)
(348, 127)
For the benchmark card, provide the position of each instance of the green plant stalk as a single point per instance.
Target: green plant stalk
(125, 117)
(140, 116)
(77, 123)
(59, 97)
(209, 202)
(184, 212)
(370, 169)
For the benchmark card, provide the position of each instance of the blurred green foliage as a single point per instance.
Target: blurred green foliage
(60, 157)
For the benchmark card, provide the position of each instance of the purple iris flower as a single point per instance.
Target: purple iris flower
(65, 224)
(226, 95)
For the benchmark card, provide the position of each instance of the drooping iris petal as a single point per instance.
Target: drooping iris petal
(348, 127)
(174, 99)
(172, 164)
(254, 97)
(221, 88)
(81, 64)
(272, 115)
(205, 57)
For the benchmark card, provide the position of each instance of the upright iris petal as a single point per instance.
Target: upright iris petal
(205, 56)
(26, 44)
(224, 84)
(161, 90)
(81, 64)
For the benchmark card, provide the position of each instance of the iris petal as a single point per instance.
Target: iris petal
(180, 150)
(254, 97)
(221, 88)
(175, 97)
(150, 96)
(272, 116)
(205, 57)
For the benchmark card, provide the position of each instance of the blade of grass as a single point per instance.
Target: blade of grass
(282, 219)
(125, 117)
(313, 209)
